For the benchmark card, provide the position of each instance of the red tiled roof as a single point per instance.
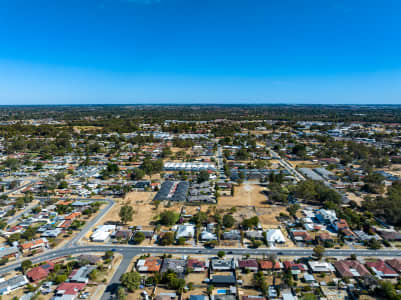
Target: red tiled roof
(37, 273)
(293, 266)
(341, 224)
(344, 267)
(382, 267)
(248, 263)
(195, 263)
(267, 265)
(30, 244)
(70, 288)
(395, 264)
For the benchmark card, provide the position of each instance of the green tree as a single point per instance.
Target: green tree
(228, 221)
(167, 238)
(131, 281)
(318, 251)
(121, 295)
(126, 213)
(139, 237)
(221, 254)
(169, 218)
(137, 174)
(25, 265)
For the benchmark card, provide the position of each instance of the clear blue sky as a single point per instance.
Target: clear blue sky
(200, 51)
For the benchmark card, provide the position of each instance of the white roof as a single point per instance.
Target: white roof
(275, 235)
(186, 230)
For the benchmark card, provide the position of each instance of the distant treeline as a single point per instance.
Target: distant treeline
(96, 114)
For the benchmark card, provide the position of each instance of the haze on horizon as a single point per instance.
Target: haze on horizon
(192, 51)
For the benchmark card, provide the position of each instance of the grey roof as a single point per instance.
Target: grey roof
(13, 283)
(311, 174)
(223, 279)
(82, 273)
(167, 193)
(8, 251)
(175, 265)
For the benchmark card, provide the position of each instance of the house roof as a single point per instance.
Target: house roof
(195, 263)
(248, 263)
(70, 288)
(150, 264)
(395, 264)
(31, 244)
(268, 265)
(293, 266)
(351, 268)
(381, 268)
(37, 273)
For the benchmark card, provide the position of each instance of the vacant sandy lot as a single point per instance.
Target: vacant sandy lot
(143, 207)
(245, 195)
(358, 200)
(304, 164)
(267, 216)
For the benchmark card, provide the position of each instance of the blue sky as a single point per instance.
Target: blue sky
(200, 51)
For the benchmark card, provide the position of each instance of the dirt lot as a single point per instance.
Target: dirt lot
(143, 207)
(245, 195)
(358, 200)
(304, 164)
(250, 201)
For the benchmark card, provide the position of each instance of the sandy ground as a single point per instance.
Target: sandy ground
(245, 195)
(358, 200)
(250, 201)
(303, 164)
(143, 207)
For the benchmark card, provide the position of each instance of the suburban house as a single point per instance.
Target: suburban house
(41, 244)
(248, 264)
(267, 265)
(12, 284)
(320, 267)
(395, 264)
(196, 265)
(40, 272)
(175, 265)
(150, 264)
(275, 236)
(381, 269)
(351, 268)
(68, 290)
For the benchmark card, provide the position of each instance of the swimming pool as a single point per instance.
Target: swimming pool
(221, 292)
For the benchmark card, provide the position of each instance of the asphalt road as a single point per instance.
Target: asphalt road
(114, 283)
(129, 250)
(91, 223)
(14, 218)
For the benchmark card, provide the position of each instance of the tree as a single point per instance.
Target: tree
(167, 239)
(210, 289)
(131, 281)
(260, 282)
(181, 241)
(60, 278)
(221, 254)
(250, 223)
(168, 218)
(137, 174)
(126, 213)
(108, 254)
(139, 237)
(228, 221)
(156, 204)
(121, 294)
(203, 176)
(25, 265)
(318, 251)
